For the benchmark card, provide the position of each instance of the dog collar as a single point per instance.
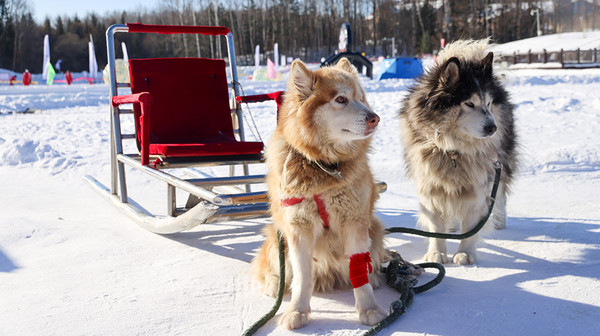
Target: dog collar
(331, 171)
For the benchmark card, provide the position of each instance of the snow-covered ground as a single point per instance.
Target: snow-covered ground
(553, 42)
(72, 264)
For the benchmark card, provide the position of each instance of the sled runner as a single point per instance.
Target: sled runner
(186, 113)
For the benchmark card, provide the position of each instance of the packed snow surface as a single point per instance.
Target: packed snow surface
(553, 42)
(72, 264)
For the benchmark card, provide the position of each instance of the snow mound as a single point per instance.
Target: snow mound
(576, 158)
(32, 152)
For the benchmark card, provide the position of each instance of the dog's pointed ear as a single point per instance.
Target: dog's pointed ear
(301, 78)
(488, 63)
(450, 73)
(345, 65)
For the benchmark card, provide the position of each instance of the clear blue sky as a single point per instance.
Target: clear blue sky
(54, 8)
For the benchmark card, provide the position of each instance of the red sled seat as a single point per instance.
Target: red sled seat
(188, 114)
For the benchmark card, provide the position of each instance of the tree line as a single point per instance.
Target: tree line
(306, 29)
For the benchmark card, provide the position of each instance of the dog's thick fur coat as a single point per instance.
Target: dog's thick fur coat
(324, 120)
(455, 123)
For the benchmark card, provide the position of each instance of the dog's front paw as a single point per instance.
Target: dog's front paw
(464, 258)
(293, 319)
(372, 315)
(436, 257)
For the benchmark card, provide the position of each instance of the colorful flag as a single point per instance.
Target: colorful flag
(51, 74)
(276, 55)
(256, 57)
(125, 54)
(92, 60)
(46, 60)
(271, 71)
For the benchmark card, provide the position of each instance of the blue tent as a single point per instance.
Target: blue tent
(400, 67)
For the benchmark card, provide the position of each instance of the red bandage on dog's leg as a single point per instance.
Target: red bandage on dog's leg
(360, 267)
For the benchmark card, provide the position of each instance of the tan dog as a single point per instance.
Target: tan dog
(322, 194)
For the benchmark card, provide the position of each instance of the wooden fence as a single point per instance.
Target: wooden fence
(567, 58)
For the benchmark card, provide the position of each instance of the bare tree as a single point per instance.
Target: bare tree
(195, 24)
(16, 10)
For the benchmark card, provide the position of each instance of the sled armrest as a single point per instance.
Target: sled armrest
(138, 98)
(143, 99)
(276, 96)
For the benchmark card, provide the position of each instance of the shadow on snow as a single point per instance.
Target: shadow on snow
(497, 306)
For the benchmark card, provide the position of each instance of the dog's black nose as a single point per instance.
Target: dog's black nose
(489, 129)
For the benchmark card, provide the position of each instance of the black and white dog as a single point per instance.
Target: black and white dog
(456, 122)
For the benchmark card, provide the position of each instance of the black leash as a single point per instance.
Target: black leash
(397, 274)
(280, 290)
(470, 233)
(398, 277)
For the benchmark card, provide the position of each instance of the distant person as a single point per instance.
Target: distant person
(68, 77)
(26, 77)
(57, 66)
(13, 78)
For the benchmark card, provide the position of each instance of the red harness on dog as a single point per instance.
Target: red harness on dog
(360, 263)
(320, 206)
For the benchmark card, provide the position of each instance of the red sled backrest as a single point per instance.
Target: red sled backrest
(190, 99)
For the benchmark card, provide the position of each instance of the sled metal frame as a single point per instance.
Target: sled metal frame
(204, 205)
